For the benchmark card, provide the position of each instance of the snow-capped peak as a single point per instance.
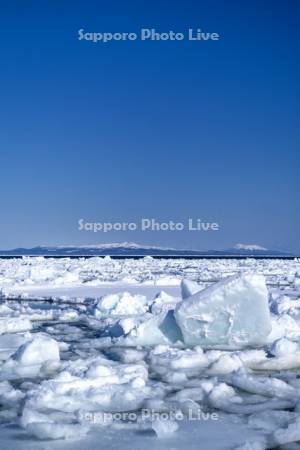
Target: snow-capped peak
(249, 247)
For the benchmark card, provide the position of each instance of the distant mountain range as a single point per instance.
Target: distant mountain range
(132, 249)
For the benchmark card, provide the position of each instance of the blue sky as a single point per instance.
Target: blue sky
(170, 130)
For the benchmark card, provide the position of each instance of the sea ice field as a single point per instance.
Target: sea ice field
(149, 353)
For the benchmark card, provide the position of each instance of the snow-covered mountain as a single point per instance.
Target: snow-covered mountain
(254, 250)
(116, 245)
(250, 247)
(133, 249)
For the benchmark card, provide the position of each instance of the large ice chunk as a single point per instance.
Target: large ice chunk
(232, 313)
(41, 349)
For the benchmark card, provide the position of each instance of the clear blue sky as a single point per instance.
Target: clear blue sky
(119, 131)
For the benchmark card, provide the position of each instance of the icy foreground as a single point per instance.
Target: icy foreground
(122, 353)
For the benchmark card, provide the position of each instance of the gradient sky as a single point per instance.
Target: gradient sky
(170, 130)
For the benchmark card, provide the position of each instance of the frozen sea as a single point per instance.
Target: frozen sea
(86, 342)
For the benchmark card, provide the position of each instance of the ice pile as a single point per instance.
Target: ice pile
(59, 407)
(14, 325)
(38, 355)
(122, 304)
(232, 313)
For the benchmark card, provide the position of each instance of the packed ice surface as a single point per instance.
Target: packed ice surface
(231, 313)
(92, 354)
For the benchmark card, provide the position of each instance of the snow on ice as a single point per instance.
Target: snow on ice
(88, 345)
